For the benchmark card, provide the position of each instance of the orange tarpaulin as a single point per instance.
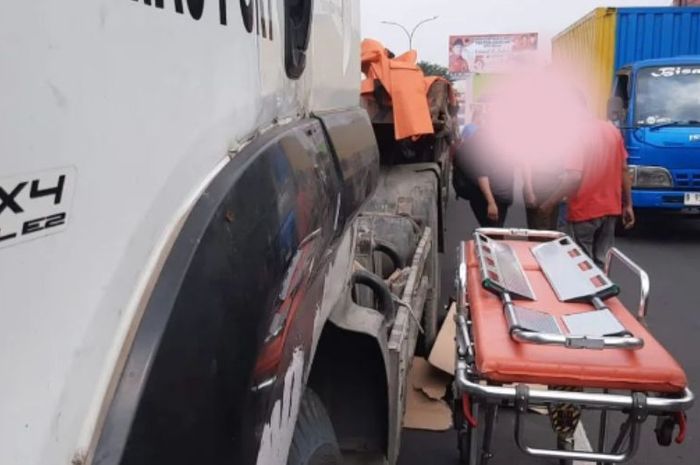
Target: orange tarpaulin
(404, 82)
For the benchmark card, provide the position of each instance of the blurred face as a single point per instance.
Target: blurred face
(534, 120)
(456, 49)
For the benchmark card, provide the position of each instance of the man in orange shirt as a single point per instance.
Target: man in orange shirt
(599, 191)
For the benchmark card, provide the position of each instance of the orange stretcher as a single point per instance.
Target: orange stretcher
(534, 310)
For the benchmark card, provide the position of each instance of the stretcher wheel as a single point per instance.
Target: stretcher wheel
(664, 430)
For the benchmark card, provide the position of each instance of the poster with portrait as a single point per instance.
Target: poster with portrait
(488, 53)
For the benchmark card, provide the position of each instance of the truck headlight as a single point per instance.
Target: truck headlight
(650, 176)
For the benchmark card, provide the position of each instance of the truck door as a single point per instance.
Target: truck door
(622, 88)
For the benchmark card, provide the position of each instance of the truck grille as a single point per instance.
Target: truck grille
(686, 179)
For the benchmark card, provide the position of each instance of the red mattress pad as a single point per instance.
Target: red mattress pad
(499, 358)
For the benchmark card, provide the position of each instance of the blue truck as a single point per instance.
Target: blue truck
(650, 59)
(656, 103)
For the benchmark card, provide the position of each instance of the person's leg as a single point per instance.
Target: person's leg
(502, 214)
(542, 221)
(584, 233)
(551, 221)
(562, 223)
(604, 239)
(480, 209)
(531, 217)
(544, 188)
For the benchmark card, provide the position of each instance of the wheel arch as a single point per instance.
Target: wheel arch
(349, 374)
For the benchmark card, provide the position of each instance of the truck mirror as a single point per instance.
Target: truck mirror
(616, 108)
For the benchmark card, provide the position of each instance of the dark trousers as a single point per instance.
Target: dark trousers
(595, 237)
(537, 220)
(480, 208)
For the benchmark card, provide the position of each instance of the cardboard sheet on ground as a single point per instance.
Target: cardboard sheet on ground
(425, 407)
(442, 356)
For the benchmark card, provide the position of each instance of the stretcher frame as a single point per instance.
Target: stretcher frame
(477, 396)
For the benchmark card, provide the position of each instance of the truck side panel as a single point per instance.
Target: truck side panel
(589, 45)
(140, 104)
(644, 33)
(334, 55)
(144, 103)
(608, 38)
(357, 159)
(226, 338)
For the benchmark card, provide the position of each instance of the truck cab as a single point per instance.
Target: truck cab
(656, 105)
(205, 256)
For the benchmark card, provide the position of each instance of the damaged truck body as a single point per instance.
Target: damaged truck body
(211, 252)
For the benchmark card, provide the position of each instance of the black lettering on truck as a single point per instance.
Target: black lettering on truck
(7, 198)
(256, 14)
(34, 206)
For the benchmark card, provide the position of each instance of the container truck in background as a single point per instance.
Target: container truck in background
(643, 68)
(203, 257)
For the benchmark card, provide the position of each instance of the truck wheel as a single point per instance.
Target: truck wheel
(314, 441)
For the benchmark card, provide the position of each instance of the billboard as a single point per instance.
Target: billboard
(488, 53)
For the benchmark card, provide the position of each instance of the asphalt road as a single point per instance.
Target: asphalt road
(669, 250)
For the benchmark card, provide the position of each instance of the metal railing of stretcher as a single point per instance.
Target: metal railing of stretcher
(637, 405)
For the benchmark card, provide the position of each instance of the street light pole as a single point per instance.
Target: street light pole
(413, 31)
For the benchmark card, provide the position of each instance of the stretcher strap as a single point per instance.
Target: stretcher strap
(467, 411)
(682, 427)
(564, 417)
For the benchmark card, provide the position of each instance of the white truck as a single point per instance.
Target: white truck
(202, 260)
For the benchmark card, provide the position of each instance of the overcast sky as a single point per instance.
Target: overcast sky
(456, 17)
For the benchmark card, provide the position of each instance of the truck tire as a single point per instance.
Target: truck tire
(314, 441)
